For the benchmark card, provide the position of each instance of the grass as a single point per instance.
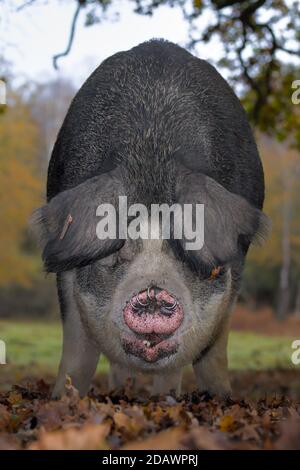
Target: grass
(253, 351)
(37, 345)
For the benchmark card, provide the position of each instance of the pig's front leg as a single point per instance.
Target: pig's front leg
(211, 370)
(163, 384)
(118, 375)
(79, 355)
(79, 360)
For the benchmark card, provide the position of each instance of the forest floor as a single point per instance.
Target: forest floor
(263, 412)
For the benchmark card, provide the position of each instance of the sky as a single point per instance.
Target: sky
(31, 36)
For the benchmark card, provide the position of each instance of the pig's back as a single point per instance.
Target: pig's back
(151, 104)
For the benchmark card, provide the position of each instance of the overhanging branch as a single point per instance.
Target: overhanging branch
(71, 37)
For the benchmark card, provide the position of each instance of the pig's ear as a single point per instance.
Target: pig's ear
(230, 222)
(66, 226)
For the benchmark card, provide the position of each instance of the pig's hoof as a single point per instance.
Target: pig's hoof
(58, 392)
(56, 395)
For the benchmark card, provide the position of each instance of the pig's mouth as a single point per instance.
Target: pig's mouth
(152, 316)
(149, 348)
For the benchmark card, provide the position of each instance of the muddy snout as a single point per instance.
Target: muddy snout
(153, 315)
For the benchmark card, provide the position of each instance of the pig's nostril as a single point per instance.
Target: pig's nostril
(134, 307)
(169, 306)
(167, 309)
(140, 303)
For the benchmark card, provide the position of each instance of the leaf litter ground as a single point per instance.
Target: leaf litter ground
(265, 416)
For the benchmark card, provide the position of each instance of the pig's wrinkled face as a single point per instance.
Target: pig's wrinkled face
(150, 304)
(154, 312)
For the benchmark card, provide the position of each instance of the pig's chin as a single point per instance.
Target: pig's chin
(150, 348)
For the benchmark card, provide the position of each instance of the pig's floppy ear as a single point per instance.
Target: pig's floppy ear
(66, 226)
(230, 222)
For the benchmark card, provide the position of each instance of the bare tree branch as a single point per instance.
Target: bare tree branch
(71, 37)
(26, 4)
(262, 39)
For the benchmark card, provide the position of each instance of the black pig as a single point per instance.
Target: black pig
(160, 126)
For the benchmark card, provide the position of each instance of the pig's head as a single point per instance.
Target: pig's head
(149, 304)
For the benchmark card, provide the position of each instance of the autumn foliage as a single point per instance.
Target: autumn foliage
(20, 190)
(101, 421)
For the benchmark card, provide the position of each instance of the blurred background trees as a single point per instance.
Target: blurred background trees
(28, 127)
(20, 188)
(272, 273)
(260, 40)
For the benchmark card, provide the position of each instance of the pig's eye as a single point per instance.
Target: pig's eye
(216, 273)
(126, 253)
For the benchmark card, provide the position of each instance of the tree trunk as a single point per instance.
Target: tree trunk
(284, 284)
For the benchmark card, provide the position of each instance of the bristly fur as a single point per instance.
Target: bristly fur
(157, 125)
(147, 107)
(172, 130)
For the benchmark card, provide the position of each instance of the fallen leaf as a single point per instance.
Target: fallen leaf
(164, 440)
(227, 423)
(88, 437)
(290, 436)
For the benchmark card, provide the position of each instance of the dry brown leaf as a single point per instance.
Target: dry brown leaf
(170, 439)
(226, 423)
(201, 438)
(15, 398)
(88, 437)
(8, 442)
(5, 418)
(290, 436)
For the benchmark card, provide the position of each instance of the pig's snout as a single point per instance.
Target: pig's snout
(153, 316)
(153, 311)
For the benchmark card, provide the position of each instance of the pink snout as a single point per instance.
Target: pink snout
(153, 316)
(153, 311)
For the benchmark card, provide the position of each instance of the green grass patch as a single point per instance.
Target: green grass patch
(37, 345)
(258, 352)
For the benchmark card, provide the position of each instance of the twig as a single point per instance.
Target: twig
(26, 4)
(71, 37)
